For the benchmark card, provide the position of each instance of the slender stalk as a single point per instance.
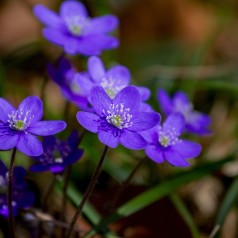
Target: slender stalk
(88, 192)
(10, 178)
(125, 184)
(47, 193)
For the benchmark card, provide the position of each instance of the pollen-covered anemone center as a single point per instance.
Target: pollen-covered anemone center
(19, 120)
(76, 25)
(111, 86)
(168, 137)
(119, 116)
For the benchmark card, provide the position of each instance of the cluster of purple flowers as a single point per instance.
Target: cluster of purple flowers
(22, 198)
(110, 106)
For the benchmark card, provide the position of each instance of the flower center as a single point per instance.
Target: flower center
(76, 25)
(19, 121)
(111, 86)
(168, 137)
(119, 116)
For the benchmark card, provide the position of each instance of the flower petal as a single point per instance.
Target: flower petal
(73, 157)
(5, 109)
(100, 100)
(174, 122)
(132, 140)
(33, 107)
(96, 69)
(103, 24)
(154, 153)
(108, 138)
(144, 121)
(120, 75)
(54, 35)
(71, 9)
(28, 144)
(175, 159)
(47, 16)
(129, 97)
(164, 101)
(180, 98)
(8, 138)
(46, 128)
(187, 149)
(3, 168)
(88, 120)
(39, 168)
(151, 135)
(144, 93)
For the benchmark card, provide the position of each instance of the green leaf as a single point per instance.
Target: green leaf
(230, 198)
(157, 192)
(184, 212)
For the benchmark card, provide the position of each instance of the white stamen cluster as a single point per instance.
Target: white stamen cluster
(109, 85)
(119, 116)
(19, 120)
(76, 24)
(185, 109)
(168, 137)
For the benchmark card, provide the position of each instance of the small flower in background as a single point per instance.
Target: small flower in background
(72, 87)
(164, 143)
(195, 122)
(75, 31)
(21, 197)
(118, 120)
(57, 154)
(19, 127)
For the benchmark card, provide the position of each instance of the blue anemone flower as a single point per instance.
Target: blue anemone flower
(118, 120)
(19, 127)
(164, 143)
(21, 197)
(57, 154)
(195, 122)
(75, 31)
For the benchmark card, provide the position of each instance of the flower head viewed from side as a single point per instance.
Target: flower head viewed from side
(57, 154)
(75, 31)
(195, 122)
(22, 198)
(118, 120)
(72, 87)
(19, 127)
(164, 143)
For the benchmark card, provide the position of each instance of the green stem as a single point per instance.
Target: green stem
(10, 179)
(88, 192)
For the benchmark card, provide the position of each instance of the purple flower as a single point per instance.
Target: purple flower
(195, 122)
(118, 120)
(19, 127)
(70, 83)
(164, 143)
(21, 197)
(57, 154)
(75, 31)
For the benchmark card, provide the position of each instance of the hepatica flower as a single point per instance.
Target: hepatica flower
(72, 87)
(75, 31)
(22, 198)
(195, 122)
(164, 143)
(57, 154)
(19, 127)
(118, 120)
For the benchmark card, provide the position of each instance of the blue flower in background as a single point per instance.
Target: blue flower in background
(19, 127)
(195, 122)
(75, 31)
(118, 120)
(73, 87)
(57, 154)
(21, 197)
(164, 143)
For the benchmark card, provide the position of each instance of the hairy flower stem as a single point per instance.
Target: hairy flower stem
(125, 184)
(88, 192)
(10, 178)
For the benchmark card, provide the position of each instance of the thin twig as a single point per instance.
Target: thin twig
(88, 192)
